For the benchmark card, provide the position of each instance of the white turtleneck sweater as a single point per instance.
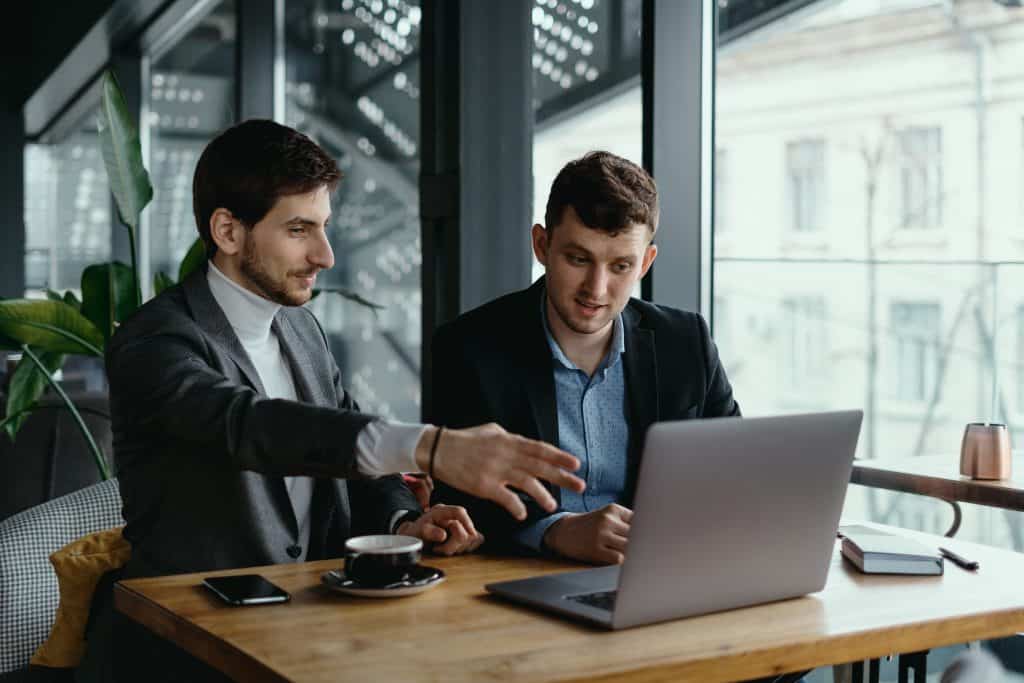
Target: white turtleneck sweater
(381, 448)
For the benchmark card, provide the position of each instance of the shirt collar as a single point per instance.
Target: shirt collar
(615, 349)
(249, 313)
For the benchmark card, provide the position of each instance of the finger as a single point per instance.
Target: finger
(458, 540)
(613, 542)
(549, 454)
(622, 512)
(433, 533)
(476, 543)
(457, 533)
(457, 513)
(617, 527)
(508, 500)
(613, 557)
(534, 489)
(539, 469)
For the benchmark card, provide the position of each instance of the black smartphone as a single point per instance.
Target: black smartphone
(245, 589)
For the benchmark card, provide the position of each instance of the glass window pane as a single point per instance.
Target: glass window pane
(871, 182)
(67, 209)
(586, 74)
(353, 85)
(191, 99)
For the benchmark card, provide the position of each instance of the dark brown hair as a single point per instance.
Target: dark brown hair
(607, 192)
(248, 167)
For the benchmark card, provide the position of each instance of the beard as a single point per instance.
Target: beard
(269, 287)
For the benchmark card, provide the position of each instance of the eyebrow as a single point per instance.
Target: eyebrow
(580, 247)
(302, 220)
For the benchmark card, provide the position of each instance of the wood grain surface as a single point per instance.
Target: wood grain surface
(456, 632)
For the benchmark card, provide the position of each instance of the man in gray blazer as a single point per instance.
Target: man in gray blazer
(236, 443)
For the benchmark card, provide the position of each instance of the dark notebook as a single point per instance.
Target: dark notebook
(878, 552)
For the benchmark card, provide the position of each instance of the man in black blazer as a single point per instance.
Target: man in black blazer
(236, 443)
(574, 361)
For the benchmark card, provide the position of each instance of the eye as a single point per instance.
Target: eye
(623, 267)
(297, 230)
(576, 260)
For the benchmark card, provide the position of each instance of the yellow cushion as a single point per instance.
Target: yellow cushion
(79, 566)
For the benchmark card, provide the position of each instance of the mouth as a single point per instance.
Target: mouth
(589, 309)
(307, 279)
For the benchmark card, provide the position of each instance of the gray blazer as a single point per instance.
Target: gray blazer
(201, 452)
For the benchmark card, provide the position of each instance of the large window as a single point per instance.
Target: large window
(877, 180)
(191, 99)
(67, 209)
(586, 68)
(353, 85)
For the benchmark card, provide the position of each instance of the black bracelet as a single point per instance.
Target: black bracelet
(433, 451)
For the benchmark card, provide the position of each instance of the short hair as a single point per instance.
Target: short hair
(607, 192)
(248, 167)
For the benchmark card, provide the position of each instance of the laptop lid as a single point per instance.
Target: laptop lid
(733, 512)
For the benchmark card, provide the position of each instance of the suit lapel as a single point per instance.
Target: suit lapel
(309, 383)
(538, 374)
(208, 315)
(641, 373)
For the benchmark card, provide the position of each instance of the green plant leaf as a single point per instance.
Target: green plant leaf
(68, 297)
(195, 257)
(26, 386)
(108, 295)
(161, 281)
(122, 154)
(350, 295)
(49, 326)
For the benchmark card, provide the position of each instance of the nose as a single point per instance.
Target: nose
(322, 255)
(596, 282)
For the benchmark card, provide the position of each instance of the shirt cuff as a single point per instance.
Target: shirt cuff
(395, 519)
(532, 536)
(384, 447)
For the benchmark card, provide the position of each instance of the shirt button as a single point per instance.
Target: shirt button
(294, 551)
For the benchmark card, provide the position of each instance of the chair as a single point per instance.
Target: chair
(50, 458)
(28, 584)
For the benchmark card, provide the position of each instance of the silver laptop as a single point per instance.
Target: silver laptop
(729, 512)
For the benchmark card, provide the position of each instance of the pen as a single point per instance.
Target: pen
(959, 560)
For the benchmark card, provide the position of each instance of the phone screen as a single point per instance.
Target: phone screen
(245, 589)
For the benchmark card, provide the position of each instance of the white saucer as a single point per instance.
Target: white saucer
(420, 578)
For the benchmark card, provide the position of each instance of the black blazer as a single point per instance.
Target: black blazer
(201, 452)
(493, 364)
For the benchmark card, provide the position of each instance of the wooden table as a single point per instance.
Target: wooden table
(939, 477)
(456, 632)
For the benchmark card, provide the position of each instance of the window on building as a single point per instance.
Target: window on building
(805, 341)
(914, 333)
(805, 173)
(920, 164)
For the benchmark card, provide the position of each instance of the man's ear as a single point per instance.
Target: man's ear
(650, 254)
(227, 232)
(539, 239)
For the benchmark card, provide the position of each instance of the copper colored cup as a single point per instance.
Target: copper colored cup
(985, 451)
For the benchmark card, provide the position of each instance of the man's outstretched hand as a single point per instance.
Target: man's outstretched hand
(486, 460)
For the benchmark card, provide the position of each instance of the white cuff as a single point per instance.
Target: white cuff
(384, 447)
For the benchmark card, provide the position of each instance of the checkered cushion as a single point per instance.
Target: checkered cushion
(28, 584)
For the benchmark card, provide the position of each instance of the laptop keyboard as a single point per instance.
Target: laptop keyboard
(601, 600)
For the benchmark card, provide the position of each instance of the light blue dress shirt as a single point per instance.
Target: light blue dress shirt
(591, 425)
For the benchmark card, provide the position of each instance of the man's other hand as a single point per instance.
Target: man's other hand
(598, 537)
(486, 460)
(448, 527)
